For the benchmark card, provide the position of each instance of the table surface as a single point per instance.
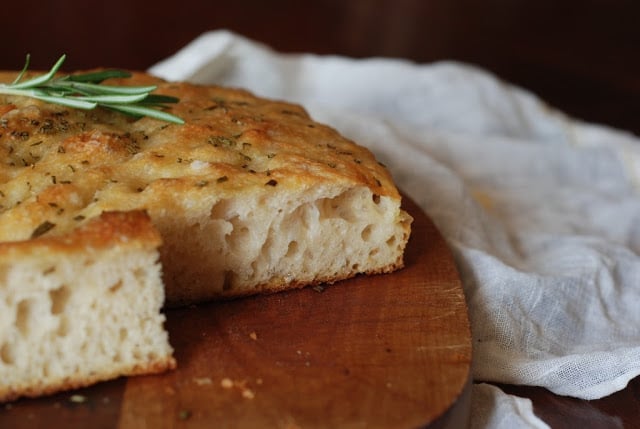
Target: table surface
(580, 56)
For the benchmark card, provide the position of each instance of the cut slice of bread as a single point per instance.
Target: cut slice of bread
(250, 195)
(81, 307)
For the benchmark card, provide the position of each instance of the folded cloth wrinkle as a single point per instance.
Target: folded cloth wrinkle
(492, 408)
(541, 210)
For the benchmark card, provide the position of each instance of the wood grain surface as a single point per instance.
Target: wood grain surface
(380, 351)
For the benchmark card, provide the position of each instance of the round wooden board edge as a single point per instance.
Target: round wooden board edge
(458, 414)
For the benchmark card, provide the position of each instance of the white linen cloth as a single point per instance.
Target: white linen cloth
(541, 210)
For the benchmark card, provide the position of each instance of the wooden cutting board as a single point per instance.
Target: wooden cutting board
(387, 351)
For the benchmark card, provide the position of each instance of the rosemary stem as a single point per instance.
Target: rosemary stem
(86, 91)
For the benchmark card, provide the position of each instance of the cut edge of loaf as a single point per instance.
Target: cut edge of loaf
(264, 244)
(81, 308)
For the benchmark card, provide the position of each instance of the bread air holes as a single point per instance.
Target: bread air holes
(292, 249)
(63, 326)
(339, 207)
(116, 286)
(7, 354)
(366, 233)
(240, 237)
(59, 298)
(24, 316)
(221, 210)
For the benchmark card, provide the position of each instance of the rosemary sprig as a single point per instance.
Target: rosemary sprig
(86, 91)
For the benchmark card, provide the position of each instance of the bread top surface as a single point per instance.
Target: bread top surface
(132, 229)
(62, 166)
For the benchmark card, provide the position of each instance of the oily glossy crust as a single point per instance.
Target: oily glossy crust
(64, 166)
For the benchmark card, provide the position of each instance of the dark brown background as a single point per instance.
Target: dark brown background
(580, 56)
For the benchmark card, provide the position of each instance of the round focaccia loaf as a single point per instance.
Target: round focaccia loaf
(250, 195)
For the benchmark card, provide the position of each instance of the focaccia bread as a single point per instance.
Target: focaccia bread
(249, 195)
(81, 307)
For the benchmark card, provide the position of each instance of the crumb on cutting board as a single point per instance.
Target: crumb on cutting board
(240, 385)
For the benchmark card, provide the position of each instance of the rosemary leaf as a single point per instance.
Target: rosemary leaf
(113, 98)
(159, 99)
(40, 80)
(85, 91)
(139, 111)
(23, 71)
(99, 76)
(68, 102)
(89, 87)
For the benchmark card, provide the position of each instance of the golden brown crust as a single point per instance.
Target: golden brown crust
(63, 166)
(35, 388)
(59, 165)
(133, 229)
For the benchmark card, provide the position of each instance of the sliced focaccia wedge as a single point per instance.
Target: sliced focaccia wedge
(81, 307)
